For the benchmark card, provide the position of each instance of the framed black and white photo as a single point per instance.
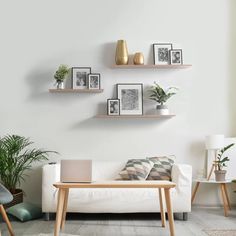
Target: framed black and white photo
(79, 77)
(131, 99)
(176, 57)
(113, 107)
(161, 53)
(94, 81)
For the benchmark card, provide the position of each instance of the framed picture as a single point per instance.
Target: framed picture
(131, 99)
(94, 81)
(176, 57)
(79, 77)
(161, 53)
(113, 107)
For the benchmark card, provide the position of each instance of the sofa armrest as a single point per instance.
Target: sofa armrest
(182, 175)
(50, 175)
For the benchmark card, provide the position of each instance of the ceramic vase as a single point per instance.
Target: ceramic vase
(138, 58)
(122, 56)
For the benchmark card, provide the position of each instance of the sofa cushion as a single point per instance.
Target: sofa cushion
(136, 169)
(161, 169)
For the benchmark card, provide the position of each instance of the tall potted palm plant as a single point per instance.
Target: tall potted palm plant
(16, 157)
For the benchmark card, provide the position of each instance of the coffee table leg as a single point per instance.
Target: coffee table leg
(64, 208)
(195, 191)
(60, 205)
(163, 216)
(169, 211)
(227, 196)
(224, 199)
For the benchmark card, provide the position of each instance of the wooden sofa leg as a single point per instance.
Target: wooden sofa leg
(5, 217)
(185, 216)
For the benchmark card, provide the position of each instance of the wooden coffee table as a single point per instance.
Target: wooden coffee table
(160, 185)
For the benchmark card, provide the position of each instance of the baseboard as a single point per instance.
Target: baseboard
(210, 206)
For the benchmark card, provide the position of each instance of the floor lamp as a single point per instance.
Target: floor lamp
(215, 143)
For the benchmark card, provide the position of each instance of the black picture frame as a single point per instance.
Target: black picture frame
(131, 96)
(90, 85)
(156, 57)
(76, 81)
(109, 108)
(176, 61)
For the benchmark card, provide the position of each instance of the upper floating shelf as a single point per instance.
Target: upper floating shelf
(135, 116)
(184, 66)
(75, 90)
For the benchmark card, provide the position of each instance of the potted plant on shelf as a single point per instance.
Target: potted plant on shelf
(221, 163)
(60, 76)
(15, 158)
(161, 96)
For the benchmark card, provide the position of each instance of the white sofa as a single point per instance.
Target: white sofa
(116, 200)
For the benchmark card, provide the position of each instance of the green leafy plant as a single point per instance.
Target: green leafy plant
(61, 73)
(221, 161)
(160, 95)
(15, 158)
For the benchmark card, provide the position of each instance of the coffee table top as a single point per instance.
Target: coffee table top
(212, 181)
(118, 184)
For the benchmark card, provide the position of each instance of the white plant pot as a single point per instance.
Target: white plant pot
(162, 110)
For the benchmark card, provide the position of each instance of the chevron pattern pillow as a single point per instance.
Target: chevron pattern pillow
(161, 169)
(136, 169)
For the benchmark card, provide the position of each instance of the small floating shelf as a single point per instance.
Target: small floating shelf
(184, 66)
(75, 90)
(135, 116)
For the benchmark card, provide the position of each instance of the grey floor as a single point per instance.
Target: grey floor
(131, 225)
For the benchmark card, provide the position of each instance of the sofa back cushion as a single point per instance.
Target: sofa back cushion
(136, 169)
(161, 169)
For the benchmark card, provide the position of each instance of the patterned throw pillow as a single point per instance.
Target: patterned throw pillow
(136, 169)
(162, 168)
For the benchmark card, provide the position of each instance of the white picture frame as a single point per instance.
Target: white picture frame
(161, 53)
(131, 98)
(80, 77)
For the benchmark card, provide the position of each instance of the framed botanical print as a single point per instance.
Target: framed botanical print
(79, 77)
(161, 53)
(131, 99)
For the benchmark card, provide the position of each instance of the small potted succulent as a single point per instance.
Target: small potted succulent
(161, 96)
(60, 76)
(221, 163)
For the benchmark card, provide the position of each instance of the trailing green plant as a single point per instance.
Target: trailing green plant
(16, 157)
(160, 95)
(61, 73)
(221, 161)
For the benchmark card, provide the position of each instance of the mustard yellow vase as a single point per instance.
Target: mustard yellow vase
(122, 56)
(138, 58)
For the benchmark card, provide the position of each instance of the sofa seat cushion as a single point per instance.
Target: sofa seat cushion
(161, 169)
(136, 169)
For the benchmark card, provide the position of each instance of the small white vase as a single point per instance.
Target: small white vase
(60, 85)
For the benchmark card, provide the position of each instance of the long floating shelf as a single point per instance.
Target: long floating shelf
(135, 116)
(75, 90)
(184, 66)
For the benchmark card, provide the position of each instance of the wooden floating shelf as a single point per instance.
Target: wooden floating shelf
(75, 90)
(184, 66)
(135, 116)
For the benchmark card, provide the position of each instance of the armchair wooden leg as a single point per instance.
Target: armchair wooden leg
(4, 216)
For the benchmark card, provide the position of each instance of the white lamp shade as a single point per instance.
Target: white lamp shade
(215, 142)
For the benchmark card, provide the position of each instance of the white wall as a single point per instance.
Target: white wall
(37, 36)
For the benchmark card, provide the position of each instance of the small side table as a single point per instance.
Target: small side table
(223, 188)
